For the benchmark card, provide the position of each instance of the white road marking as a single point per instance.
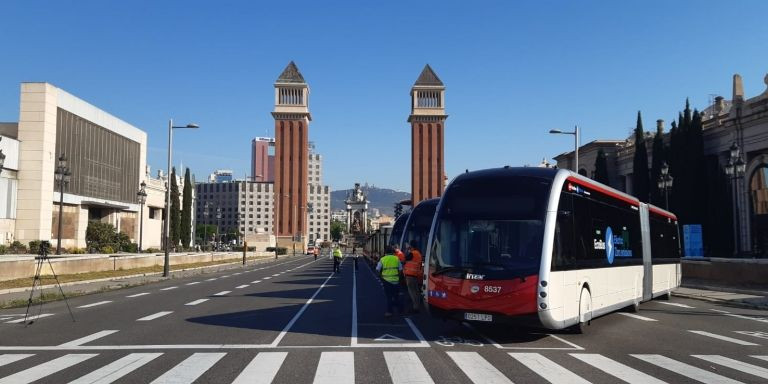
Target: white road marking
(168, 289)
(193, 283)
(222, 293)
(117, 369)
(674, 304)
(5, 318)
(262, 369)
(735, 364)
(155, 316)
(13, 357)
(225, 276)
(95, 304)
(190, 369)
(760, 319)
(635, 316)
(718, 310)
(236, 273)
(724, 338)
(406, 368)
(242, 286)
(211, 279)
(89, 338)
(255, 281)
(548, 369)
(30, 318)
(479, 370)
(686, 370)
(298, 314)
(336, 367)
(196, 302)
(616, 369)
(139, 294)
(276, 274)
(45, 369)
(760, 357)
(268, 277)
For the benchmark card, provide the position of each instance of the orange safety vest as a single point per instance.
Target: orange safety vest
(400, 256)
(413, 267)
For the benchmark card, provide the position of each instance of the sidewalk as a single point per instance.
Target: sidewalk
(100, 285)
(754, 297)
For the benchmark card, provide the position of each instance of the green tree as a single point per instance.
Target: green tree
(175, 210)
(337, 230)
(205, 232)
(657, 160)
(186, 212)
(640, 183)
(601, 167)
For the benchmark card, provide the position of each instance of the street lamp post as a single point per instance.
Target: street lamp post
(142, 196)
(166, 261)
(735, 170)
(575, 134)
(664, 183)
(62, 177)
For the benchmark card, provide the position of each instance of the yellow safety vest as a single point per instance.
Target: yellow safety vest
(337, 253)
(390, 266)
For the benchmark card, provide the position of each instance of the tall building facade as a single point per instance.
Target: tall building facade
(291, 114)
(427, 120)
(243, 207)
(319, 211)
(262, 159)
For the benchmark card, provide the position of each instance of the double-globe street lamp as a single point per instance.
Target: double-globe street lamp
(62, 175)
(166, 230)
(575, 134)
(665, 183)
(735, 170)
(142, 196)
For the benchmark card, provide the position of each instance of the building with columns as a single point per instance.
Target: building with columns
(427, 120)
(740, 122)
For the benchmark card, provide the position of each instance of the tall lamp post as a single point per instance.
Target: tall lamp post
(735, 170)
(166, 261)
(664, 183)
(142, 196)
(575, 134)
(62, 177)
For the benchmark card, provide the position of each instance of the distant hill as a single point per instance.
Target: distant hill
(381, 198)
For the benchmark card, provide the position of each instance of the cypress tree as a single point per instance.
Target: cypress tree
(695, 169)
(657, 160)
(175, 210)
(601, 167)
(186, 211)
(640, 165)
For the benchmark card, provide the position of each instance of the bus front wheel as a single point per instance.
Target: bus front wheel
(585, 311)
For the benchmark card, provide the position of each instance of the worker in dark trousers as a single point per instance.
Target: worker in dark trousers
(337, 255)
(354, 257)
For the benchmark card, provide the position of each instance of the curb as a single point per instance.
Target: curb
(736, 303)
(724, 289)
(118, 278)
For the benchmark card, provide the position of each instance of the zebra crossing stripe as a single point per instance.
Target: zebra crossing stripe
(406, 368)
(724, 338)
(335, 368)
(13, 357)
(735, 364)
(190, 369)
(262, 369)
(117, 369)
(89, 338)
(40, 371)
(614, 368)
(479, 370)
(686, 370)
(548, 369)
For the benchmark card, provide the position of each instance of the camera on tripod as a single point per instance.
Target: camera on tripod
(45, 246)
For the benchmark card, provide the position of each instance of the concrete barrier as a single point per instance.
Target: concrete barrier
(736, 272)
(19, 267)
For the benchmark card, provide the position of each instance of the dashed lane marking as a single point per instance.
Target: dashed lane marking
(196, 302)
(139, 294)
(255, 281)
(155, 316)
(168, 289)
(88, 339)
(635, 316)
(222, 293)
(674, 304)
(242, 286)
(95, 304)
(193, 283)
(724, 338)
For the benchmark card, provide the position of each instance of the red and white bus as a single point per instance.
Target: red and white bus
(545, 245)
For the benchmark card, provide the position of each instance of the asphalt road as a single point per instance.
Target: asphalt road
(293, 321)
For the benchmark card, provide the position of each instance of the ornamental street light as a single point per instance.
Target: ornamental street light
(142, 197)
(665, 183)
(62, 176)
(166, 261)
(735, 170)
(575, 134)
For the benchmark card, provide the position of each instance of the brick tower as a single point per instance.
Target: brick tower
(427, 122)
(292, 119)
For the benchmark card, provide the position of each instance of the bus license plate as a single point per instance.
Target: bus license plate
(478, 317)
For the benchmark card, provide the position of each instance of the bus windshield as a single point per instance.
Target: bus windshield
(492, 227)
(419, 224)
(397, 229)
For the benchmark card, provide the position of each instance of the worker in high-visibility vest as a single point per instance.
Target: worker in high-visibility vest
(337, 255)
(389, 268)
(414, 274)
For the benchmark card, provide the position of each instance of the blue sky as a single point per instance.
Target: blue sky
(513, 70)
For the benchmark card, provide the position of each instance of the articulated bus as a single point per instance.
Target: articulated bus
(545, 245)
(398, 228)
(416, 231)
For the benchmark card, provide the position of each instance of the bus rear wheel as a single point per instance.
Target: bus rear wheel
(585, 312)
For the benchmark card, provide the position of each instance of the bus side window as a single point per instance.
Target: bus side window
(563, 251)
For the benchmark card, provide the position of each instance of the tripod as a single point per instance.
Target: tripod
(37, 283)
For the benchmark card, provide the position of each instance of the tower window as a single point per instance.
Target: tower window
(291, 96)
(429, 99)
